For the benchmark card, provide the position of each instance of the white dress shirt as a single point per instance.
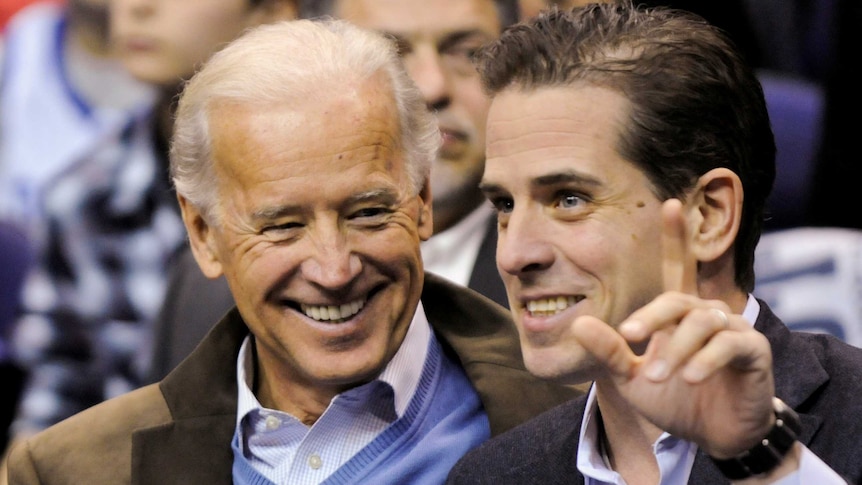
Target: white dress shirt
(452, 253)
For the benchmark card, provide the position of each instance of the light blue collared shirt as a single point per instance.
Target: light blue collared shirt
(273, 440)
(675, 457)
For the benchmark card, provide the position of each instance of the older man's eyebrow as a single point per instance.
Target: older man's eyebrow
(387, 196)
(275, 212)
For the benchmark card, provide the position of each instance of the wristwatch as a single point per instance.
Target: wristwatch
(768, 454)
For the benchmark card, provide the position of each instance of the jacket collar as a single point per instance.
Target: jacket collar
(201, 395)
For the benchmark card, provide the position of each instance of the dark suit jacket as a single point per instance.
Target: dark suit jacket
(179, 431)
(818, 375)
(193, 302)
(485, 278)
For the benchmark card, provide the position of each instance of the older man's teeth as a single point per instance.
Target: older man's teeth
(551, 306)
(333, 313)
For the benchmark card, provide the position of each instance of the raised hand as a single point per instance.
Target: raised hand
(706, 374)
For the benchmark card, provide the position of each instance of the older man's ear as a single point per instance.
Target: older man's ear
(200, 239)
(426, 219)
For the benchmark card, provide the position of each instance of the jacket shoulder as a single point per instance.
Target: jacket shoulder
(540, 451)
(93, 446)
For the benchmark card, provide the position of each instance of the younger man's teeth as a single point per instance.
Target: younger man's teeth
(551, 305)
(333, 312)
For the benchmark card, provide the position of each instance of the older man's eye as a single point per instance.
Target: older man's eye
(281, 227)
(370, 212)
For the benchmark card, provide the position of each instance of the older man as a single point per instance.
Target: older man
(435, 38)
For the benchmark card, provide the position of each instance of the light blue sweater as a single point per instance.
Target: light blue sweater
(444, 420)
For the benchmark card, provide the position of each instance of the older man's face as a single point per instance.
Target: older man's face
(319, 233)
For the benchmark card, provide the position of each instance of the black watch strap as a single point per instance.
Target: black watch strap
(768, 454)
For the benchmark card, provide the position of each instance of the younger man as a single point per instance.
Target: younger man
(629, 158)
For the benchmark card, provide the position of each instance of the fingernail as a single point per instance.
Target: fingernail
(657, 370)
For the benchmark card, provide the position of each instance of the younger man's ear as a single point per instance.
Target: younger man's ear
(200, 239)
(718, 201)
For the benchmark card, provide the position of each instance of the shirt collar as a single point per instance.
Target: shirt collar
(752, 310)
(453, 252)
(402, 373)
(590, 459)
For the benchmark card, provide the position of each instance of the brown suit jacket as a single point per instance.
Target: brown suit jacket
(179, 431)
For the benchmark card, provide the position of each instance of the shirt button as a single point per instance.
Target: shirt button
(315, 462)
(272, 423)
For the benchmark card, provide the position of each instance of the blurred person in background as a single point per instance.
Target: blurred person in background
(531, 8)
(114, 221)
(64, 99)
(8, 8)
(15, 259)
(65, 103)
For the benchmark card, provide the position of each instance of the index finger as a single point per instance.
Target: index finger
(679, 265)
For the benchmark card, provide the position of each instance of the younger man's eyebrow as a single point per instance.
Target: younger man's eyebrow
(565, 177)
(547, 180)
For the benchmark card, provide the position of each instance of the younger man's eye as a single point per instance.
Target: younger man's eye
(569, 200)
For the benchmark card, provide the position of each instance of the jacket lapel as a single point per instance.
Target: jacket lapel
(196, 446)
(798, 372)
(789, 355)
